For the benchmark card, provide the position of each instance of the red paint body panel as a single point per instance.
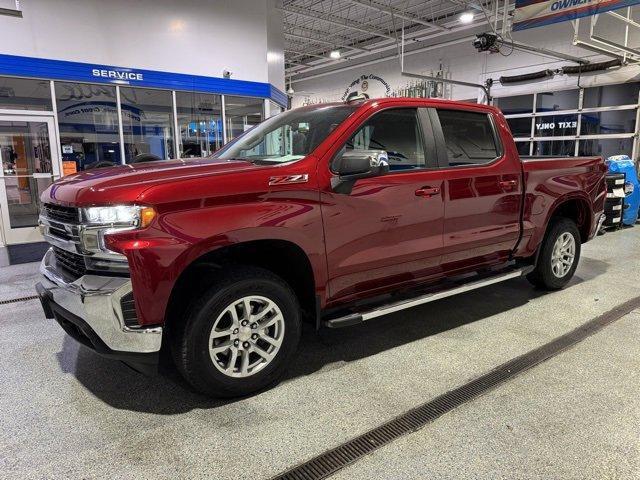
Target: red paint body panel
(380, 237)
(550, 182)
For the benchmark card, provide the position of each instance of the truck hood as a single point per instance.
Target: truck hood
(125, 183)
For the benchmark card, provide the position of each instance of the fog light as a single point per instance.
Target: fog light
(89, 239)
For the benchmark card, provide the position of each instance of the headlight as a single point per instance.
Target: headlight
(100, 221)
(120, 215)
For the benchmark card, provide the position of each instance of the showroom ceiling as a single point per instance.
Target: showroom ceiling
(362, 29)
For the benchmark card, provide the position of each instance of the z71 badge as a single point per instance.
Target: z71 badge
(287, 179)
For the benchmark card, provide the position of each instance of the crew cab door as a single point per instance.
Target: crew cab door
(482, 188)
(385, 230)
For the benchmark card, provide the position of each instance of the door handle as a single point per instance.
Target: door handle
(427, 191)
(508, 184)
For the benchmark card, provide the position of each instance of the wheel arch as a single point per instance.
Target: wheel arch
(576, 208)
(282, 257)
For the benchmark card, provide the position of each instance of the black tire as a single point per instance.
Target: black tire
(543, 276)
(190, 342)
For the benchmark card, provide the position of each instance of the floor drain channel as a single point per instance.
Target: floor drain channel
(330, 462)
(16, 300)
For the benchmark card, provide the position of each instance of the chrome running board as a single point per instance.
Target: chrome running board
(355, 318)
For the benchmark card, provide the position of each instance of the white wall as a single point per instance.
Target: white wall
(199, 37)
(465, 63)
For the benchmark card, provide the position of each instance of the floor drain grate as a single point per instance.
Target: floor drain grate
(16, 300)
(333, 460)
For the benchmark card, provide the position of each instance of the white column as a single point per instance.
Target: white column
(177, 138)
(56, 128)
(120, 129)
(224, 121)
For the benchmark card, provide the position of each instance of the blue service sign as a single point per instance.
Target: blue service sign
(123, 75)
(85, 72)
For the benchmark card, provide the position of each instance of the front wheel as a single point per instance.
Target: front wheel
(559, 255)
(239, 336)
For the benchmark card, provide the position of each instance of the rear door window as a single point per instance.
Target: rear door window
(469, 137)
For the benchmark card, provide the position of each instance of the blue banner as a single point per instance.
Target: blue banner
(537, 13)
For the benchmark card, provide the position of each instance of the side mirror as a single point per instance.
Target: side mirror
(354, 164)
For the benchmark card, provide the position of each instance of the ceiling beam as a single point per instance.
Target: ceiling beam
(307, 54)
(383, 45)
(341, 22)
(325, 42)
(396, 13)
(11, 12)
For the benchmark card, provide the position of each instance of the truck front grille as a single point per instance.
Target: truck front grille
(61, 214)
(72, 263)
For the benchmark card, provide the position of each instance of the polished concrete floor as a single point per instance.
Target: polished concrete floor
(68, 413)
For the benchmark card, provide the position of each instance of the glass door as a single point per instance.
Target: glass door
(30, 162)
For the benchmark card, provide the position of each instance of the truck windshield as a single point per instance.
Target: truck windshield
(286, 137)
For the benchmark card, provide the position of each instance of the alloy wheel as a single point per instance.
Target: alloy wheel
(246, 336)
(564, 252)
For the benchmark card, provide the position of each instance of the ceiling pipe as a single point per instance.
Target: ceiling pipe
(325, 42)
(395, 13)
(391, 42)
(622, 18)
(547, 52)
(418, 36)
(595, 48)
(10, 12)
(385, 59)
(341, 22)
(302, 54)
(610, 43)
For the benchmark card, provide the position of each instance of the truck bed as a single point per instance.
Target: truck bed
(547, 179)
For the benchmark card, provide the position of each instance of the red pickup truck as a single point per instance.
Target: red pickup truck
(333, 214)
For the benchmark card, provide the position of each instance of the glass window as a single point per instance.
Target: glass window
(552, 101)
(200, 123)
(520, 127)
(25, 150)
(469, 137)
(554, 148)
(396, 131)
(611, 95)
(523, 148)
(556, 125)
(24, 94)
(613, 121)
(147, 122)
(274, 109)
(242, 113)
(606, 147)
(514, 105)
(88, 121)
(288, 136)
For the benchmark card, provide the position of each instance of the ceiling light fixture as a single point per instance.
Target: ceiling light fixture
(335, 54)
(466, 17)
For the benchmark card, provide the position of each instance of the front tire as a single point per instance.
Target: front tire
(240, 335)
(559, 255)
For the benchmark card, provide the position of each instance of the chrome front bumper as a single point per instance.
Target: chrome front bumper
(96, 301)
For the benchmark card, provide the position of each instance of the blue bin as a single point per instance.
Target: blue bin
(623, 164)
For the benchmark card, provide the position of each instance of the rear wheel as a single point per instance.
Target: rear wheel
(240, 335)
(559, 255)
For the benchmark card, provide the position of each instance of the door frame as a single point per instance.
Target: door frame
(13, 236)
